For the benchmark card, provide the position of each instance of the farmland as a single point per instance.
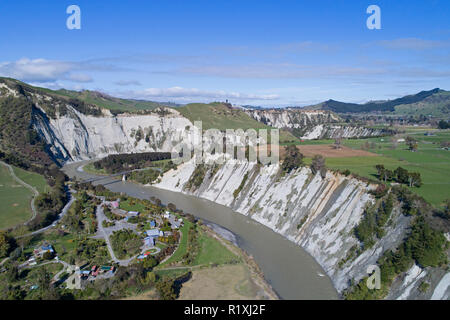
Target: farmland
(15, 200)
(430, 160)
(15, 197)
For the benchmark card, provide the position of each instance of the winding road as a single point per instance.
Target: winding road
(60, 216)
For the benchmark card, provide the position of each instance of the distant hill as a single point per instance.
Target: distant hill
(426, 100)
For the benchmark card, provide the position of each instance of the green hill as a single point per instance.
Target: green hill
(116, 105)
(222, 116)
(435, 102)
(436, 105)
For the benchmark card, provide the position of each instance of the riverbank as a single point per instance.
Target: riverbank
(256, 273)
(289, 269)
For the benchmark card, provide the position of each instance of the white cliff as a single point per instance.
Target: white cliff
(316, 213)
(311, 124)
(75, 136)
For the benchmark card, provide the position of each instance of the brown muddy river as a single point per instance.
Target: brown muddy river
(289, 269)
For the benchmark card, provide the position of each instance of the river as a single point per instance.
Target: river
(289, 269)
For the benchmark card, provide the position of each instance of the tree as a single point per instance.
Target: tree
(426, 245)
(337, 143)
(383, 173)
(380, 170)
(414, 179)
(402, 175)
(166, 289)
(48, 255)
(293, 158)
(388, 175)
(443, 124)
(172, 207)
(7, 244)
(318, 165)
(412, 143)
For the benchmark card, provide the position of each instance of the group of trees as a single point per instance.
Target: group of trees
(424, 245)
(318, 165)
(371, 226)
(7, 244)
(400, 175)
(293, 158)
(192, 246)
(120, 162)
(444, 124)
(125, 243)
(411, 143)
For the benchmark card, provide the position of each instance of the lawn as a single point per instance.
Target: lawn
(182, 247)
(429, 160)
(212, 251)
(132, 205)
(89, 168)
(36, 180)
(15, 200)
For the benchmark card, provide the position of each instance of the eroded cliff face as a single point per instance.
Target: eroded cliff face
(317, 213)
(307, 124)
(75, 136)
(75, 131)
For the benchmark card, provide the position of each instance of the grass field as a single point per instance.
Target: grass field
(132, 205)
(15, 200)
(226, 282)
(432, 162)
(89, 168)
(212, 251)
(36, 180)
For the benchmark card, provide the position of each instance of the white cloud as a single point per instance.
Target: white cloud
(412, 44)
(279, 71)
(127, 83)
(181, 94)
(43, 70)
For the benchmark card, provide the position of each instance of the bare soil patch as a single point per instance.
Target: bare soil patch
(325, 150)
(230, 282)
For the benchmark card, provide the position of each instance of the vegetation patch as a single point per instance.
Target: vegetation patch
(241, 186)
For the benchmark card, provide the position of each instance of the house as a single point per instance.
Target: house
(400, 140)
(43, 249)
(114, 204)
(119, 212)
(104, 269)
(154, 233)
(175, 224)
(149, 241)
(152, 224)
(166, 215)
(133, 213)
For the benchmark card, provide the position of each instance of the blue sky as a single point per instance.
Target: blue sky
(269, 53)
